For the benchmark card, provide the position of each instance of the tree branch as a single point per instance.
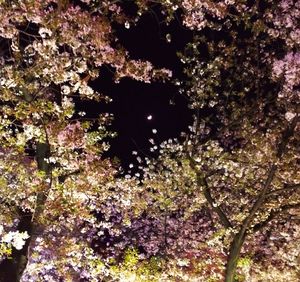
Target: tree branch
(201, 180)
(273, 214)
(262, 195)
(286, 136)
(239, 238)
(286, 188)
(63, 177)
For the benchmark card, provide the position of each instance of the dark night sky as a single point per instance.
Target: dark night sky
(133, 101)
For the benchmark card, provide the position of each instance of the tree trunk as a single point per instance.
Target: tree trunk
(11, 269)
(239, 238)
(234, 254)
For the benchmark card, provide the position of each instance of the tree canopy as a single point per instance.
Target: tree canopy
(219, 203)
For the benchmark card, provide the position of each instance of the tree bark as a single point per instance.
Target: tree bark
(239, 238)
(235, 250)
(11, 269)
(202, 182)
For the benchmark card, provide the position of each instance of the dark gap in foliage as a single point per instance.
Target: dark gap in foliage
(133, 101)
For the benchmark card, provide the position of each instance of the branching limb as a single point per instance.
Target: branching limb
(239, 238)
(273, 214)
(286, 188)
(201, 180)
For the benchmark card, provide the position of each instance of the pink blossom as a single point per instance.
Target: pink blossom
(72, 136)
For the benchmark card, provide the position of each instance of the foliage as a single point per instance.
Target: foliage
(241, 157)
(221, 203)
(53, 178)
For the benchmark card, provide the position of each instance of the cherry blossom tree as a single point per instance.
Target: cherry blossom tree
(239, 167)
(53, 177)
(251, 90)
(219, 204)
